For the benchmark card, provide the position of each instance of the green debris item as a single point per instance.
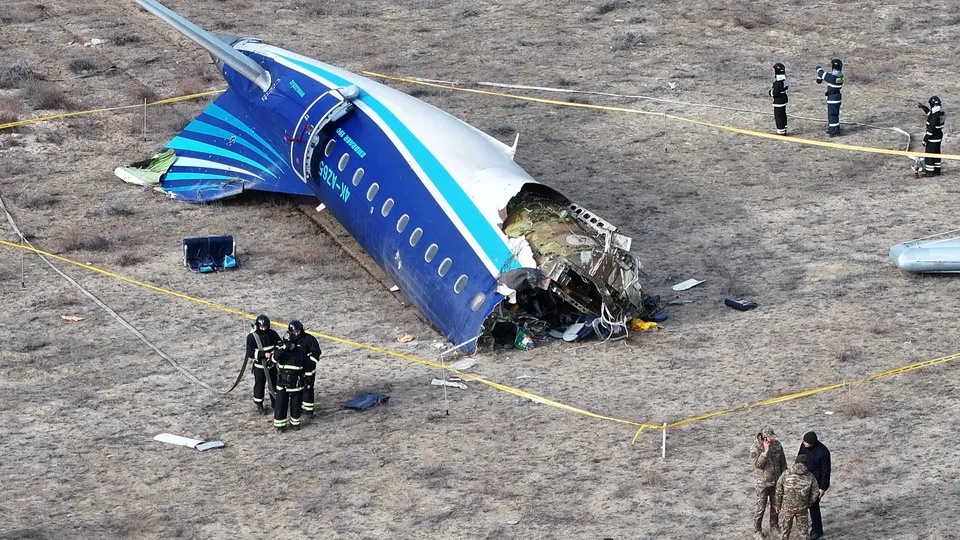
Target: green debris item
(148, 171)
(523, 342)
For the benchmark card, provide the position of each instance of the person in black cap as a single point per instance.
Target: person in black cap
(779, 95)
(818, 463)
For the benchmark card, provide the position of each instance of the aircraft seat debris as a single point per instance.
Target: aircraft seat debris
(210, 253)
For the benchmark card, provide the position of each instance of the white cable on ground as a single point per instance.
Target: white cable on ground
(113, 313)
(648, 98)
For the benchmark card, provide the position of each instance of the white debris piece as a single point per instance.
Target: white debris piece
(466, 363)
(441, 382)
(684, 285)
(185, 441)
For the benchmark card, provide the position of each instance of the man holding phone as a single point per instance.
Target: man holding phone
(769, 462)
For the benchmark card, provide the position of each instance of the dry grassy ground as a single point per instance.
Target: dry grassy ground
(801, 230)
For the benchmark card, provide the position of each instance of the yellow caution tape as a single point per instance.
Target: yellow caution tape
(805, 393)
(751, 133)
(108, 109)
(468, 376)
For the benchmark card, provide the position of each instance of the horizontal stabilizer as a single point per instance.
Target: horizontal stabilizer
(216, 47)
(221, 153)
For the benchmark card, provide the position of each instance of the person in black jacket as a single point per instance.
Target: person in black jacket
(933, 136)
(818, 463)
(290, 360)
(261, 342)
(779, 95)
(834, 80)
(310, 345)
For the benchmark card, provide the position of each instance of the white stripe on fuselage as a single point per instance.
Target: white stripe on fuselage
(184, 161)
(408, 157)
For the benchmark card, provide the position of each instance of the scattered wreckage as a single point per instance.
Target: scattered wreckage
(468, 236)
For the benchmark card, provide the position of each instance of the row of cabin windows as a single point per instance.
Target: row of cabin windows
(432, 250)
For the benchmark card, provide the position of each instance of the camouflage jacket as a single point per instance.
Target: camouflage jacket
(796, 491)
(768, 466)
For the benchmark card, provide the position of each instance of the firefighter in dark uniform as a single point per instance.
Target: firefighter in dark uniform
(310, 345)
(934, 135)
(291, 361)
(779, 95)
(261, 342)
(834, 80)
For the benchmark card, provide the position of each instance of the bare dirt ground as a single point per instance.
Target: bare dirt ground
(803, 231)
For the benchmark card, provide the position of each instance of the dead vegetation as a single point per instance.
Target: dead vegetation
(82, 66)
(856, 405)
(689, 196)
(21, 12)
(74, 240)
(45, 95)
(627, 41)
(125, 38)
(36, 199)
(16, 76)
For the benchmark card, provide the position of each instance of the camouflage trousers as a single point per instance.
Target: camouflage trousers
(798, 518)
(764, 501)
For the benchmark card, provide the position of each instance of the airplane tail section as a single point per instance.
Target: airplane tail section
(218, 48)
(221, 153)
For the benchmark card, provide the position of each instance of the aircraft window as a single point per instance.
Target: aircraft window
(344, 159)
(387, 206)
(415, 236)
(329, 149)
(477, 301)
(444, 267)
(402, 223)
(357, 176)
(460, 284)
(431, 252)
(372, 192)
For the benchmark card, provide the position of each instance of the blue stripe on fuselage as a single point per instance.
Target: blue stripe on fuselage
(478, 226)
(215, 111)
(202, 127)
(184, 143)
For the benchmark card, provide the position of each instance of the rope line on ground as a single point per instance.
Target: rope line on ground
(123, 322)
(108, 109)
(752, 133)
(805, 393)
(452, 86)
(659, 100)
(505, 388)
(467, 376)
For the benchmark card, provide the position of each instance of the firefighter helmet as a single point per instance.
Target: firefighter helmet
(779, 69)
(295, 326)
(836, 64)
(264, 321)
(289, 338)
(935, 102)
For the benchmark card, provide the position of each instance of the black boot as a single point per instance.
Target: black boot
(260, 409)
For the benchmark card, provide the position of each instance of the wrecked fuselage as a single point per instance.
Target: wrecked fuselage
(583, 266)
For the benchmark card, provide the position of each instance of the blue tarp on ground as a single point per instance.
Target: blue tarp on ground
(365, 400)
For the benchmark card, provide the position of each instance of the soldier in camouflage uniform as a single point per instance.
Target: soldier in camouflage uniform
(769, 463)
(796, 491)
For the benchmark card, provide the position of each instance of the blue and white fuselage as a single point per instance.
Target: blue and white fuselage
(424, 193)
